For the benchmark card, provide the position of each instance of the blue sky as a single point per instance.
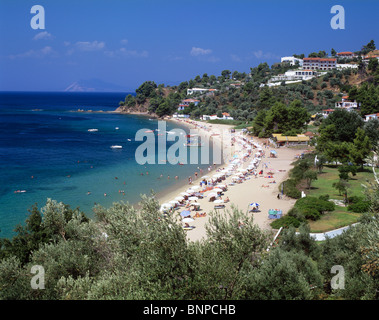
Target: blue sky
(128, 42)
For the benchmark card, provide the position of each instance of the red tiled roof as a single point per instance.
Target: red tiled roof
(320, 59)
(344, 52)
(190, 100)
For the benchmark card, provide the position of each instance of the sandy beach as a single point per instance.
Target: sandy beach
(239, 157)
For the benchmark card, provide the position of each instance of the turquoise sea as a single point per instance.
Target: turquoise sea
(46, 151)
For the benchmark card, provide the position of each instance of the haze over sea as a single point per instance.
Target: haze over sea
(47, 150)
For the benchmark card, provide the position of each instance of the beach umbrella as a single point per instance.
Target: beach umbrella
(187, 220)
(218, 190)
(166, 205)
(185, 213)
(218, 201)
(180, 198)
(193, 198)
(174, 202)
(185, 194)
(195, 187)
(254, 204)
(212, 195)
(204, 177)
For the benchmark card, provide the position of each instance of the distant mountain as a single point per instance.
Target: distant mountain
(95, 85)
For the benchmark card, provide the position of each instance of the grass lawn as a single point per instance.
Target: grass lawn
(341, 216)
(329, 175)
(333, 220)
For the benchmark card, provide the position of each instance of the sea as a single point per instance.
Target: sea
(46, 151)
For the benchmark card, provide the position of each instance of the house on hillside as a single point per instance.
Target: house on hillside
(292, 60)
(371, 55)
(347, 104)
(326, 112)
(186, 103)
(295, 75)
(371, 116)
(200, 91)
(319, 63)
(346, 54)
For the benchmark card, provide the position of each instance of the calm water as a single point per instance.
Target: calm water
(47, 150)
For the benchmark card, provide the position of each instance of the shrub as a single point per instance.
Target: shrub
(285, 222)
(289, 189)
(359, 207)
(312, 202)
(324, 197)
(354, 199)
(311, 213)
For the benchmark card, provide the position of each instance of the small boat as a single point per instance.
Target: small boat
(117, 128)
(116, 147)
(129, 139)
(93, 130)
(20, 191)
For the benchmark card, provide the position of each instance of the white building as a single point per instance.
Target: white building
(199, 90)
(371, 116)
(319, 63)
(185, 103)
(225, 116)
(295, 75)
(347, 66)
(346, 54)
(347, 104)
(292, 60)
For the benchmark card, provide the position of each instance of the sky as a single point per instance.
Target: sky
(126, 42)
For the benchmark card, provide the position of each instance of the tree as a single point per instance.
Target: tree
(371, 128)
(346, 122)
(321, 160)
(163, 109)
(310, 175)
(360, 148)
(342, 186)
(225, 74)
(333, 52)
(285, 275)
(368, 47)
(373, 64)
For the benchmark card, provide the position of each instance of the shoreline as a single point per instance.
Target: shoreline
(262, 188)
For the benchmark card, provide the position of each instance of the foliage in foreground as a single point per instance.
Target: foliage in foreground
(128, 254)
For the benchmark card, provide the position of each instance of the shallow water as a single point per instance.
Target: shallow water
(47, 150)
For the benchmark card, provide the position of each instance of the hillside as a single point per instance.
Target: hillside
(241, 94)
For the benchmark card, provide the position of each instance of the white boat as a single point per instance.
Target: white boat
(93, 130)
(116, 147)
(117, 128)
